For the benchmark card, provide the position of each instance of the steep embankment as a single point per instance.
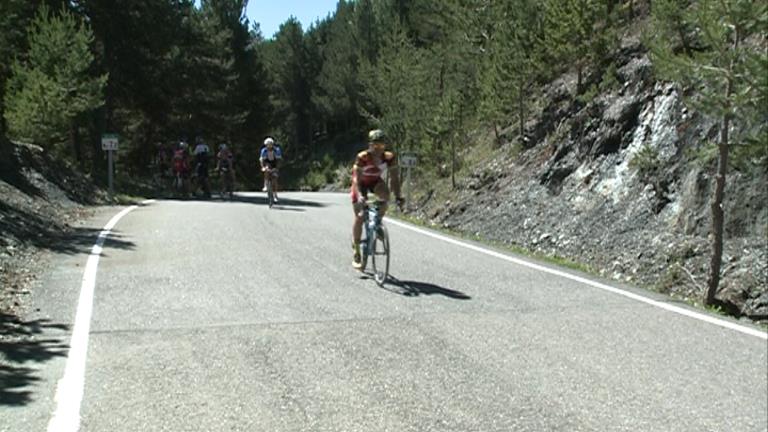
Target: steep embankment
(39, 198)
(615, 183)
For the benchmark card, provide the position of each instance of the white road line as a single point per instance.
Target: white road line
(666, 306)
(69, 391)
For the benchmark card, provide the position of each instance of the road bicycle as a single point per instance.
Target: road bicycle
(226, 183)
(179, 185)
(375, 244)
(201, 180)
(270, 188)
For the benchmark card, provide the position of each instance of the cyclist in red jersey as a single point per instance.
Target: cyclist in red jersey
(181, 170)
(371, 168)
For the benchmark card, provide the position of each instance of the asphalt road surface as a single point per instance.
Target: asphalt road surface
(229, 316)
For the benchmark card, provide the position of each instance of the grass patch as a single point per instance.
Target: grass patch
(567, 263)
(126, 199)
(552, 259)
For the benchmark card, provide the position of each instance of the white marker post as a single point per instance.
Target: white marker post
(408, 160)
(109, 144)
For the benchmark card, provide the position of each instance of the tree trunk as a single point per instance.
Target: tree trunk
(98, 170)
(77, 149)
(580, 73)
(521, 110)
(5, 146)
(441, 84)
(683, 39)
(718, 214)
(453, 163)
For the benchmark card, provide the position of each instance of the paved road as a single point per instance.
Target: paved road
(212, 316)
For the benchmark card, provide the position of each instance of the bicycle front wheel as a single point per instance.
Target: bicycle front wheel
(270, 193)
(380, 255)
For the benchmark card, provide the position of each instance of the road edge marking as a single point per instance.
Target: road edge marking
(662, 305)
(69, 390)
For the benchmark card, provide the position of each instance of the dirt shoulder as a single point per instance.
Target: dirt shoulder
(41, 201)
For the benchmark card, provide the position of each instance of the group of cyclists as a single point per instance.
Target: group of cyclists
(370, 172)
(191, 166)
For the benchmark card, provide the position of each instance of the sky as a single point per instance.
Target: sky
(271, 13)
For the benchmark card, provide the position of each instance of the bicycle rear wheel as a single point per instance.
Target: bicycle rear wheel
(380, 255)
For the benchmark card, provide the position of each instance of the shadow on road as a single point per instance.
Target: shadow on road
(20, 348)
(35, 230)
(83, 239)
(283, 204)
(290, 202)
(416, 289)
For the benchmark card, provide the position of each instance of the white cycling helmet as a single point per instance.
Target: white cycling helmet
(269, 142)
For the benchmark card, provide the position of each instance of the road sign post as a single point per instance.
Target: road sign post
(109, 144)
(408, 161)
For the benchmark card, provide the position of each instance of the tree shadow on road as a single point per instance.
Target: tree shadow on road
(283, 202)
(81, 240)
(35, 230)
(416, 289)
(290, 204)
(20, 348)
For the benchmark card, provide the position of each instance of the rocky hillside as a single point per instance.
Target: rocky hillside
(617, 183)
(41, 198)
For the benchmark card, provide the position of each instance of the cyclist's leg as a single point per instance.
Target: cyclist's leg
(357, 227)
(357, 208)
(275, 181)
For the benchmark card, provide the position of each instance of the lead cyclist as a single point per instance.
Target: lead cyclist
(368, 175)
(269, 158)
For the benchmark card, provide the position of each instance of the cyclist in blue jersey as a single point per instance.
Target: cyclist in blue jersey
(270, 158)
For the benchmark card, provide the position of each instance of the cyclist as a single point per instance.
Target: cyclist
(163, 159)
(270, 157)
(225, 166)
(368, 175)
(202, 155)
(181, 167)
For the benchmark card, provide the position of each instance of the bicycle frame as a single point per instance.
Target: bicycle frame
(371, 222)
(375, 234)
(270, 187)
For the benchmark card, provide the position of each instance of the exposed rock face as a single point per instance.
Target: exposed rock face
(614, 183)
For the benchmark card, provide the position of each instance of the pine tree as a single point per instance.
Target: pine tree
(728, 73)
(572, 33)
(291, 93)
(53, 86)
(512, 60)
(337, 85)
(366, 31)
(15, 17)
(399, 91)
